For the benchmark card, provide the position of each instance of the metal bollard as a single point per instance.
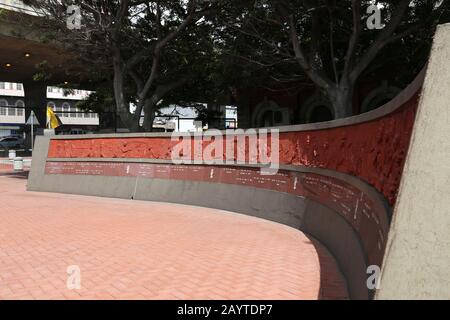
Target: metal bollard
(11, 154)
(18, 164)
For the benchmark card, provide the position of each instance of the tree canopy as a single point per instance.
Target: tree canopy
(156, 53)
(328, 42)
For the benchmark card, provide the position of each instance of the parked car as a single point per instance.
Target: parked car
(11, 143)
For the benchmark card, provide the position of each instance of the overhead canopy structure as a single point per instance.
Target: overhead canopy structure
(25, 50)
(20, 57)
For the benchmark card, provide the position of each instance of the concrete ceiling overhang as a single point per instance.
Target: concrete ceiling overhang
(17, 40)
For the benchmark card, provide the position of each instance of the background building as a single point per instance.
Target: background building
(14, 122)
(12, 113)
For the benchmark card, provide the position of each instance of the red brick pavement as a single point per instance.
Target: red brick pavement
(147, 250)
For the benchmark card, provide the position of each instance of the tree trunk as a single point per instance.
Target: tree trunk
(342, 101)
(134, 125)
(149, 115)
(122, 107)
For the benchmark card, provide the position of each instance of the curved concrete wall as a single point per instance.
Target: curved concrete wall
(371, 146)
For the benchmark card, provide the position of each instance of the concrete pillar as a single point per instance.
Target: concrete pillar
(36, 100)
(417, 260)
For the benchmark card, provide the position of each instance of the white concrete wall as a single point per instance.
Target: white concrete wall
(417, 260)
(11, 89)
(58, 93)
(17, 119)
(79, 120)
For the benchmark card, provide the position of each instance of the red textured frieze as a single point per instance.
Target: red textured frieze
(150, 148)
(374, 151)
(367, 218)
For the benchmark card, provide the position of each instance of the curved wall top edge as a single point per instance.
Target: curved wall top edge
(377, 113)
(386, 109)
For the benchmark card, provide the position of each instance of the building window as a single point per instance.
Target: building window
(58, 111)
(317, 108)
(321, 113)
(20, 104)
(11, 112)
(65, 109)
(3, 104)
(379, 97)
(2, 85)
(269, 114)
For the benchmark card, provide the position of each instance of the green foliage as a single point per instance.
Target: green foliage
(43, 72)
(99, 101)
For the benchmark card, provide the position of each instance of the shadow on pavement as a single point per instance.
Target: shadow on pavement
(333, 285)
(16, 175)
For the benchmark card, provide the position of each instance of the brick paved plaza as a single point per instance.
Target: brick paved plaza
(146, 250)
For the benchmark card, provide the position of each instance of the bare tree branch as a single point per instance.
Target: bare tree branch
(381, 41)
(357, 28)
(316, 76)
